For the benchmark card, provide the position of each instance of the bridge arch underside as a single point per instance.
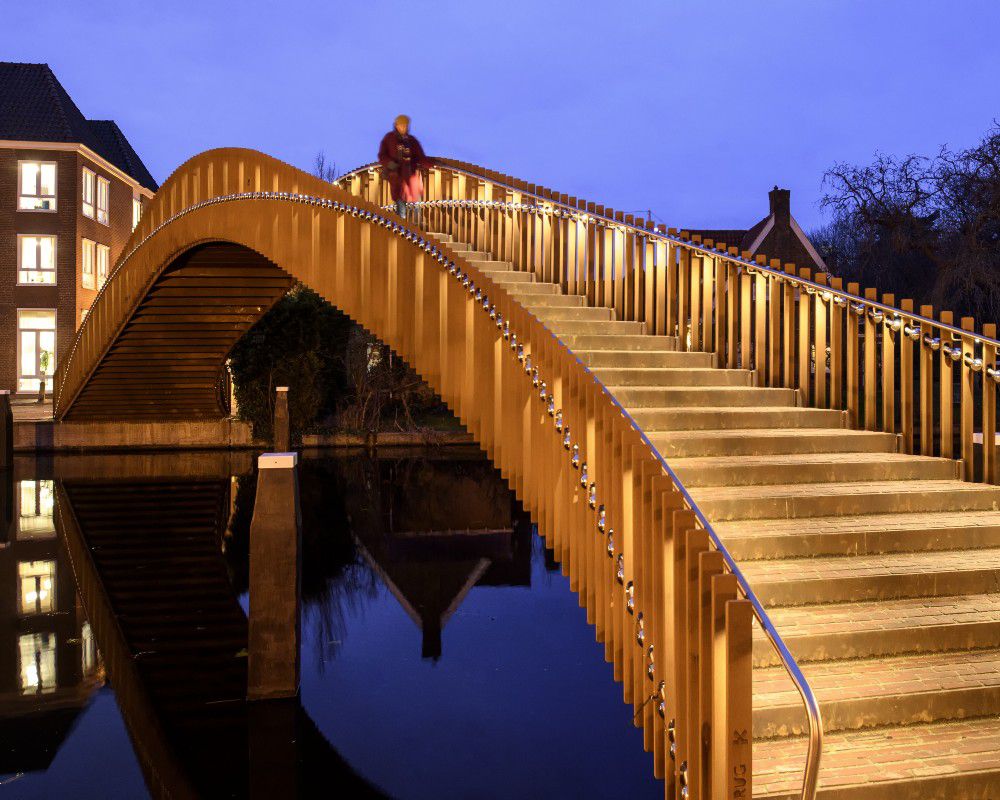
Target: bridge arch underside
(167, 359)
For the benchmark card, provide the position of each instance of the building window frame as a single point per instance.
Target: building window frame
(22, 380)
(103, 205)
(87, 179)
(136, 210)
(88, 263)
(37, 270)
(36, 587)
(38, 196)
(102, 264)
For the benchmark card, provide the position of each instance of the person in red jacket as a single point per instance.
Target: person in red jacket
(402, 158)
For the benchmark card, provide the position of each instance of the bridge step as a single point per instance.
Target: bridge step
(631, 343)
(610, 327)
(776, 441)
(507, 276)
(531, 290)
(858, 497)
(639, 397)
(810, 468)
(869, 693)
(544, 301)
(659, 376)
(867, 534)
(656, 420)
(915, 762)
(888, 576)
(559, 314)
(883, 628)
(596, 359)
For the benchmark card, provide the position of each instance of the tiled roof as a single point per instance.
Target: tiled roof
(35, 107)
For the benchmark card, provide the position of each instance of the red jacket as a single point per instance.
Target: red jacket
(402, 158)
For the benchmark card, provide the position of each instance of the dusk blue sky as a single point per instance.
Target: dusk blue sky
(693, 109)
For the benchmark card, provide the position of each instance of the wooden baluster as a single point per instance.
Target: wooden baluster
(707, 301)
(606, 289)
(732, 310)
(906, 378)
(697, 543)
(926, 384)
(888, 369)
(852, 367)
(805, 341)
(991, 360)
(710, 567)
(821, 311)
(662, 252)
(720, 281)
(746, 317)
(649, 273)
(946, 390)
(968, 407)
(590, 268)
(870, 374)
(683, 295)
(630, 278)
(672, 286)
(788, 336)
(694, 329)
(618, 269)
(836, 348)
(733, 731)
(722, 591)
(760, 323)
(774, 293)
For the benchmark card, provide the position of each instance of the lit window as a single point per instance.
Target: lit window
(88, 650)
(36, 259)
(88, 193)
(37, 653)
(34, 516)
(103, 256)
(103, 192)
(38, 585)
(136, 212)
(36, 345)
(83, 314)
(37, 186)
(88, 261)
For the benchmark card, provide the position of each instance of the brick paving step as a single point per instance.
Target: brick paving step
(596, 359)
(810, 468)
(632, 343)
(639, 397)
(883, 628)
(771, 441)
(659, 376)
(867, 693)
(803, 581)
(695, 418)
(822, 499)
(864, 534)
(943, 761)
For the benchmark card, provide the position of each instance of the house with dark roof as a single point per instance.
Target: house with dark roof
(72, 190)
(777, 235)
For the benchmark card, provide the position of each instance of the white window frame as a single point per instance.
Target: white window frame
(55, 350)
(88, 257)
(38, 186)
(103, 212)
(39, 270)
(88, 176)
(136, 211)
(102, 270)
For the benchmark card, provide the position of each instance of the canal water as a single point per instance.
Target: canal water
(443, 652)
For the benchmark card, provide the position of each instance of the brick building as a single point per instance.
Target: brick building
(71, 192)
(778, 235)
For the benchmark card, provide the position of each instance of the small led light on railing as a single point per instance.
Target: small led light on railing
(911, 331)
(506, 330)
(535, 380)
(827, 296)
(611, 543)
(543, 393)
(479, 295)
(486, 303)
(513, 343)
(583, 469)
(493, 312)
(975, 364)
(592, 499)
(994, 372)
(520, 354)
(876, 315)
(650, 663)
(933, 343)
(567, 442)
(858, 308)
(895, 323)
(551, 409)
(601, 518)
(620, 568)
(839, 301)
(629, 591)
(499, 321)
(640, 632)
(575, 458)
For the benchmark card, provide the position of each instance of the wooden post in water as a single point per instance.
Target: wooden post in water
(282, 429)
(275, 579)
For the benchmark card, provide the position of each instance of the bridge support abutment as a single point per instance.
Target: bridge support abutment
(275, 580)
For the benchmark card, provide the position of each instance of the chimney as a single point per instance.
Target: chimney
(781, 205)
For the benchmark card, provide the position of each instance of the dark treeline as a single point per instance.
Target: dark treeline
(927, 228)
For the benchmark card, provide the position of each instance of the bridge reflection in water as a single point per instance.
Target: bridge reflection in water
(157, 547)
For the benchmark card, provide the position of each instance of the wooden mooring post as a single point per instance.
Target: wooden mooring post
(282, 425)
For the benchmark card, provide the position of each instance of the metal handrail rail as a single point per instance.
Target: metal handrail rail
(606, 220)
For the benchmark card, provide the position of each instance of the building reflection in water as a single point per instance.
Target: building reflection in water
(49, 665)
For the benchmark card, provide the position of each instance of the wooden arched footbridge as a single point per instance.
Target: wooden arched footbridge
(766, 488)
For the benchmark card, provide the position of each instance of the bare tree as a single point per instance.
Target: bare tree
(323, 169)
